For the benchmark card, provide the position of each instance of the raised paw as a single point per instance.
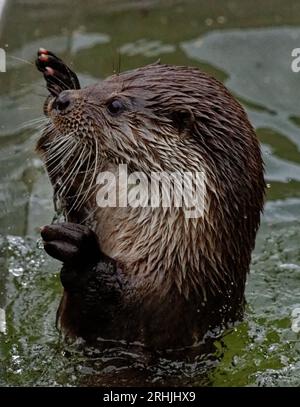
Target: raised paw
(71, 243)
(57, 74)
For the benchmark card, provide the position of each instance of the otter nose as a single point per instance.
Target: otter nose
(62, 101)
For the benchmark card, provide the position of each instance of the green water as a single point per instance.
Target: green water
(245, 44)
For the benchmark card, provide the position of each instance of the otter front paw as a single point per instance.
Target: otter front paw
(57, 74)
(71, 243)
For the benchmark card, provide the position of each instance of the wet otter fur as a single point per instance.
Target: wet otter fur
(140, 274)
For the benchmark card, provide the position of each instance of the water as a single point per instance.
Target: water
(245, 44)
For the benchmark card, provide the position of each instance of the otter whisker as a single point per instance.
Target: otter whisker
(32, 123)
(90, 215)
(38, 126)
(81, 201)
(58, 143)
(48, 132)
(57, 153)
(21, 60)
(90, 187)
(60, 162)
(58, 157)
(90, 192)
(59, 140)
(88, 171)
(73, 173)
(61, 143)
(94, 173)
(38, 119)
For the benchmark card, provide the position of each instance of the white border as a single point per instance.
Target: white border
(2, 4)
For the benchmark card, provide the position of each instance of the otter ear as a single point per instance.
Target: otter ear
(182, 118)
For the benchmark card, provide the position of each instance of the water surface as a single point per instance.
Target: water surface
(245, 44)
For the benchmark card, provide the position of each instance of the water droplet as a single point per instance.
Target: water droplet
(39, 243)
(221, 19)
(2, 321)
(16, 271)
(209, 21)
(235, 360)
(296, 320)
(272, 347)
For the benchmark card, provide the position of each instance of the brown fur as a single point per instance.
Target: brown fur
(188, 275)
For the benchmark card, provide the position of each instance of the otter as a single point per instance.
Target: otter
(149, 275)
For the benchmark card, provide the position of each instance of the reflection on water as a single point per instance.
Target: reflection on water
(255, 64)
(258, 65)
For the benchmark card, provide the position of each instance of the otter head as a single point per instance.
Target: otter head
(142, 119)
(161, 118)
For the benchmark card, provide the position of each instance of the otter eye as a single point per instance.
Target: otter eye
(115, 107)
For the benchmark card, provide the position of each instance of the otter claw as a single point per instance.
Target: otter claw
(63, 251)
(57, 74)
(71, 243)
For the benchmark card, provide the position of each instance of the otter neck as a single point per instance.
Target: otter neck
(155, 243)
